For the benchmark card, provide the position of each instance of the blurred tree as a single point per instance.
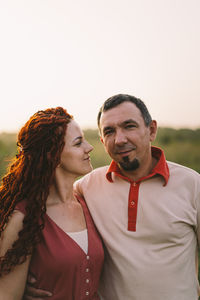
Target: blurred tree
(180, 145)
(8, 149)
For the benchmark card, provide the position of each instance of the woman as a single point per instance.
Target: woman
(45, 228)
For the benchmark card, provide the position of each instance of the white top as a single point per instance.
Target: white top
(157, 261)
(81, 238)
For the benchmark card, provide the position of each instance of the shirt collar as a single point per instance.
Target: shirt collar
(161, 167)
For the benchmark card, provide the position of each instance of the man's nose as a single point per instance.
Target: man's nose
(120, 138)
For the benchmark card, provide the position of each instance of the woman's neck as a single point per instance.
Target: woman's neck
(61, 190)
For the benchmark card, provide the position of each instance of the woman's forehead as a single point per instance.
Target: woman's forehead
(73, 131)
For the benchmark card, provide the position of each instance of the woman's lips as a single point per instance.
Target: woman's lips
(87, 158)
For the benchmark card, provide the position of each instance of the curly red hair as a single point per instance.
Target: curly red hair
(40, 142)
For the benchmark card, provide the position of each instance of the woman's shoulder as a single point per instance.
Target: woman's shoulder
(15, 222)
(10, 233)
(21, 207)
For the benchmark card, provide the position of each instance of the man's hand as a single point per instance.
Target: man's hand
(32, 293)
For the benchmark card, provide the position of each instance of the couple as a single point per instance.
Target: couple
(146, 210)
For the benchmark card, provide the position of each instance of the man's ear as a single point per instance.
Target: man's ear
(153, 130)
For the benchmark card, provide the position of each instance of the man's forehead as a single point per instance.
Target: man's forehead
(119, 122)
(124, 112)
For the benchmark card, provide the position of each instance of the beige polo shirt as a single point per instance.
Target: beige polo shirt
(157, 261)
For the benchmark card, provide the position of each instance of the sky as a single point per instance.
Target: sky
(78, 53)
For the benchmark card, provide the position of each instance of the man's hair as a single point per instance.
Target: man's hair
(120, 98)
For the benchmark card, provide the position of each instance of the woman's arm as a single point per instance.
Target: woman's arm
(12, 285)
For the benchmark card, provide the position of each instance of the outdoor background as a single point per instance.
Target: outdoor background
(77, 53)
(180, 145)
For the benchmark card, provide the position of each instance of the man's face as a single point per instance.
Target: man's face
(126, 137)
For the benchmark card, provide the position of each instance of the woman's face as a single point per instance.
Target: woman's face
(75, 158)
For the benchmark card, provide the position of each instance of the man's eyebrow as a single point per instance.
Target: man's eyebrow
(129, 121)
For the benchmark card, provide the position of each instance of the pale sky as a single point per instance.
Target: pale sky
(77, 53)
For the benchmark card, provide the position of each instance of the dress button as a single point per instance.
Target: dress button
(87, 257)
(87, 293)
(132, 202)
(87, 270)
(87, 280)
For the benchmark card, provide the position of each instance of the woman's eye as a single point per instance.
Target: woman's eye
(78, 143)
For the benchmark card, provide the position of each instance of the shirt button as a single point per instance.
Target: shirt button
(87, 270)
(87, 293)
(87, 257)
(87, 280)
(132, 203)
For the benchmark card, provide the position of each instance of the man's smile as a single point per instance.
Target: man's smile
(124, 151)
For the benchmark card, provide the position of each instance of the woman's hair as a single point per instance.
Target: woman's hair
(40, 142)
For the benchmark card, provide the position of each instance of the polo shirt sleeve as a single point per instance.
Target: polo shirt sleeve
(198, 212)
(78, 187)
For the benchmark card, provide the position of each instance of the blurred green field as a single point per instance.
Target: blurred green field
(180, 145)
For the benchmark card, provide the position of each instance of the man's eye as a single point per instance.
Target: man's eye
(130, 126)
(107, 132)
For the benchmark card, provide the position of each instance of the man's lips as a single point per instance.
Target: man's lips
(124, 152)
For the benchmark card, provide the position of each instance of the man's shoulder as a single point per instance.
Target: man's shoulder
(101, 171)
(90, 181)
(181, 169)
(95, 175)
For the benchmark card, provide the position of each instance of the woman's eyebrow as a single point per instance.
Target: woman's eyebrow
(77, 138)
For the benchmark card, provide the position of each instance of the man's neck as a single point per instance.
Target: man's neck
(140, 172)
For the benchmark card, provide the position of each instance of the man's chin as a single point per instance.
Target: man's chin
(128, 165)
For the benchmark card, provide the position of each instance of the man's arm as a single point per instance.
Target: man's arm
(32, 293)
(198, 229)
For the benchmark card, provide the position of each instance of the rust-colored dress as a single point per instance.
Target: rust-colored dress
(62, 267)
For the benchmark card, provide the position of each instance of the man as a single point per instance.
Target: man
(146, 209)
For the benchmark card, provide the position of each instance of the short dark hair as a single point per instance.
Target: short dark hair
(120, 98)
